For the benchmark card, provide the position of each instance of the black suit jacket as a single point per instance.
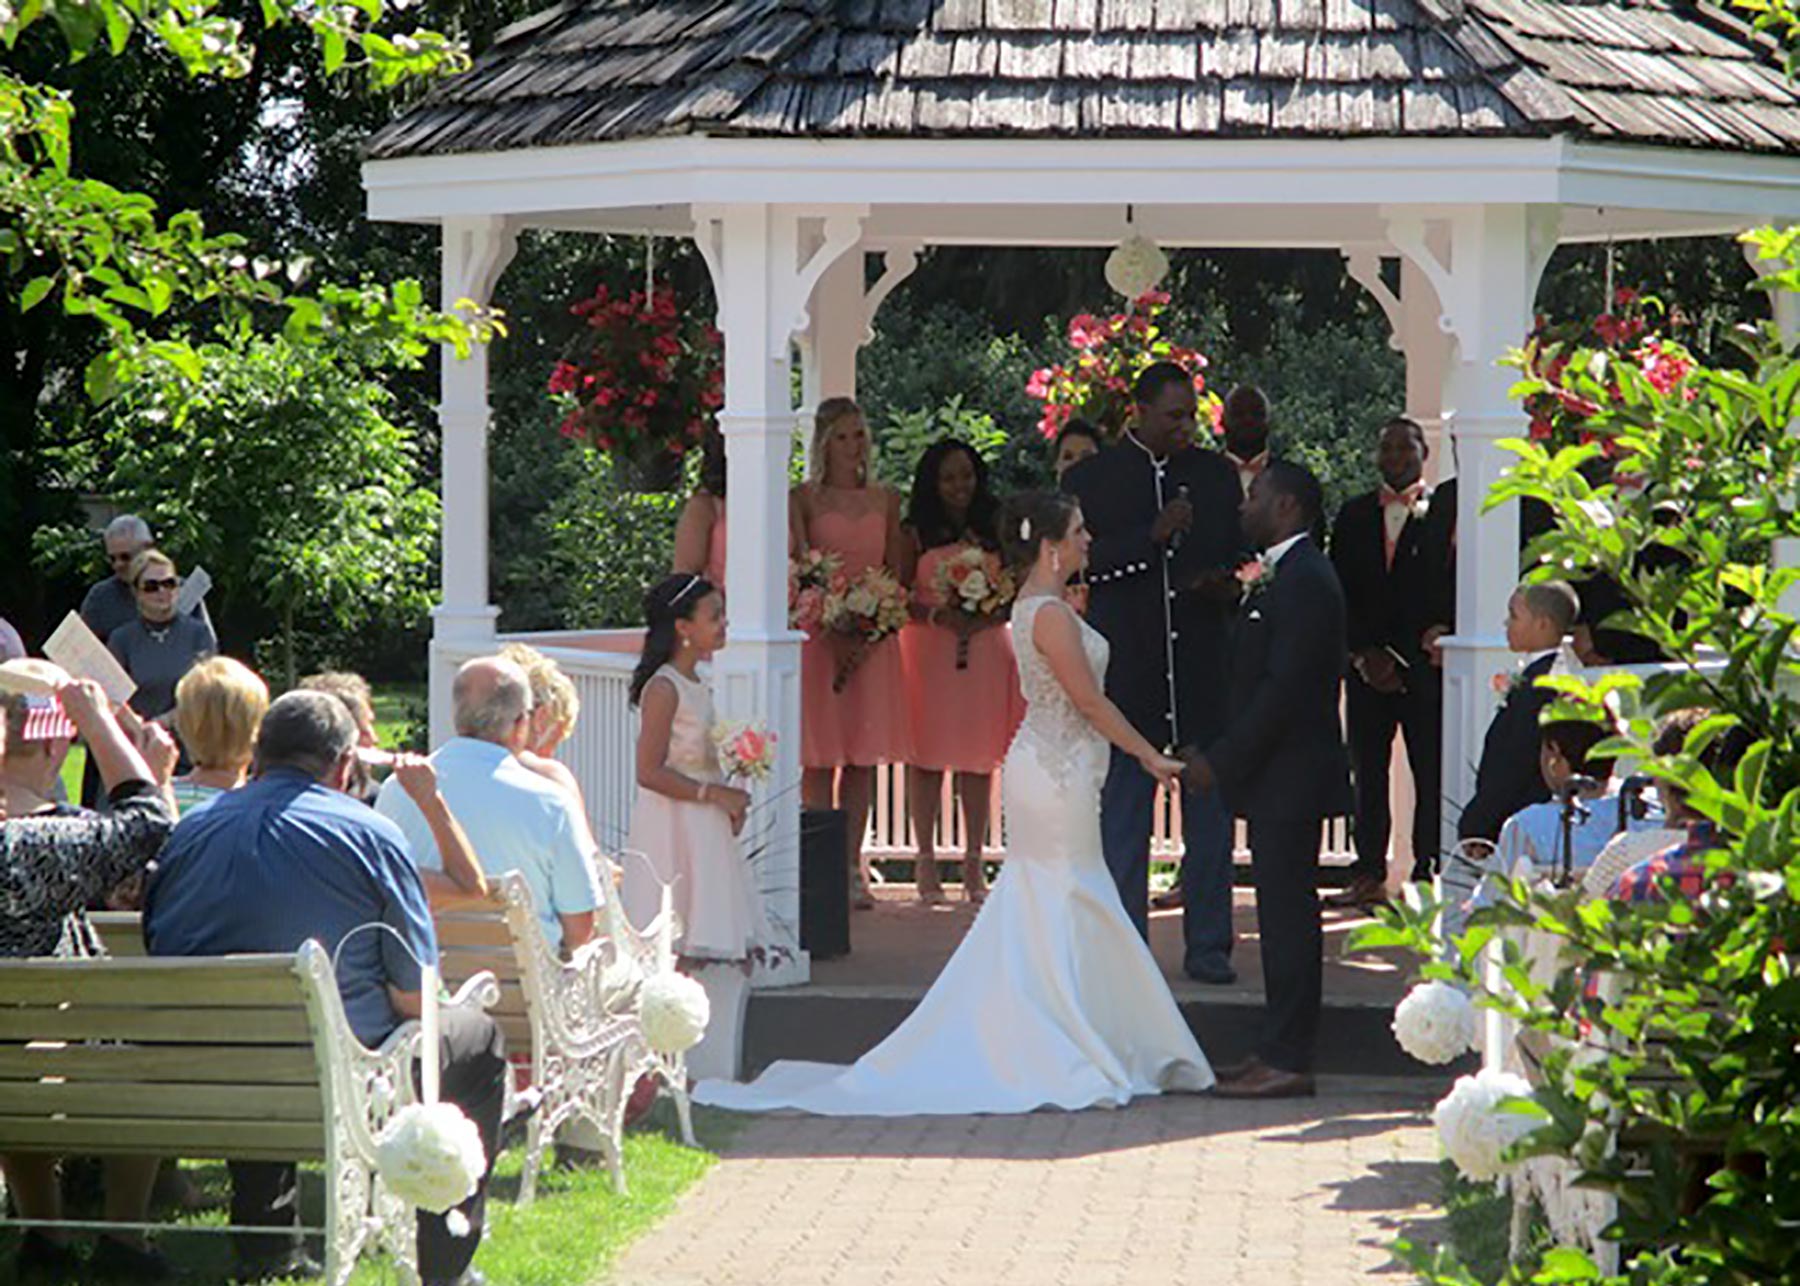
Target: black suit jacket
(1284, 741)
(1128, 594)
(1385, 606)
(1508, 778)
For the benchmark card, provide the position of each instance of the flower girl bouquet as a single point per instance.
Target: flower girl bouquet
(746, 751)
(976, 587)
(863, 611)
(811, 578)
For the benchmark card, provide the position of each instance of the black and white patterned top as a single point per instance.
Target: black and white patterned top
(52, 867)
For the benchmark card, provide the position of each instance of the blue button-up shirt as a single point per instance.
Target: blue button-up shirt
(284, 859)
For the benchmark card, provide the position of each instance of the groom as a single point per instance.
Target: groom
(1281, 764)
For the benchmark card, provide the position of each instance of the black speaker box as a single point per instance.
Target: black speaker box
(824, 883)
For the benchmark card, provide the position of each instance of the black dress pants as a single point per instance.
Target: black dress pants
(1284, 859)
(472, 1059)
(1418, 713)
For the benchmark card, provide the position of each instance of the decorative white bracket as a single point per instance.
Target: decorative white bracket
(793, 294)
(898, 262)
(1406, 231)
(1458, 285)
(1363, 263)
(476, 252)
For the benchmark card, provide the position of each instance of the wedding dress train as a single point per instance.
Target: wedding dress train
(1052, 999)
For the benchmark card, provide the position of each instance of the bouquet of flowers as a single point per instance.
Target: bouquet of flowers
(975, 585)
(745, 750)
(864, 611)
(812, 576)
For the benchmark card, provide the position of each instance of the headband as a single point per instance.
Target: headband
(685, 590)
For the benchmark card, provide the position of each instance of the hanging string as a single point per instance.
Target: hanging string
(649, 271)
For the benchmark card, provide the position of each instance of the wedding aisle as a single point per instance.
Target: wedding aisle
(1172, 1192)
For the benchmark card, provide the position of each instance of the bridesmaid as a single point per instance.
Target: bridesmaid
(962, 720)
(1078, 440)
(844, 735)
(700, 531)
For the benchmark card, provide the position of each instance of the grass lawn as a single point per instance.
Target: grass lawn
(396, 706)
(570, 1236)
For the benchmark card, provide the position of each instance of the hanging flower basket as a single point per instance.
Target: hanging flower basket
(1558, 359)
(1109, 353)
(642, 381)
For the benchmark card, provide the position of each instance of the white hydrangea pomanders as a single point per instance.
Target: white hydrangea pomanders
(1136, 266)
(675, 1013)
(430, 1156)
(1473, 1129)
(1435, 1023)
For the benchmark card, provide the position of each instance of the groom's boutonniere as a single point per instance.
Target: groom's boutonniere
(1254, 576)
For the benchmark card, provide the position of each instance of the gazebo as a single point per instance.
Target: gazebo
(796, 140)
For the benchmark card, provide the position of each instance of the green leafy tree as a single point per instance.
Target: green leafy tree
(282, 472)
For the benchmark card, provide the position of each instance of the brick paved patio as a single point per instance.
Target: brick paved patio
(1189, 1191)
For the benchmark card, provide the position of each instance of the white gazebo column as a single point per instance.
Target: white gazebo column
(1784, 306)
(764, 282)
(1428, 352)
(475, 252)
(1486, 285)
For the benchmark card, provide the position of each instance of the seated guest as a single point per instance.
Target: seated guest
(1507, 778)
(218, 705)
(1531, 841)
(1682, 865)
(517, 819)
(555, 706)
(354, 691)
(289, 858)
(51, 867)
(37, 744)
(157, 647)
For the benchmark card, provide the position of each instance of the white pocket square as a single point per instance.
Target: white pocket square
(1254, 616)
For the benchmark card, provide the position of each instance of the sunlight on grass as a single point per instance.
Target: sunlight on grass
(570, 1236)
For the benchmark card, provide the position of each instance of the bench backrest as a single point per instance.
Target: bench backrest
(474, 939)
(211, 1057)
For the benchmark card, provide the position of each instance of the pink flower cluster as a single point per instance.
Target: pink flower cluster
(1563, 415)
(1108, 353)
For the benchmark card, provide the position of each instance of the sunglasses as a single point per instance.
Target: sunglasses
(150, 585)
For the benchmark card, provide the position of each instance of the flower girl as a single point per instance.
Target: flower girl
(687, 817)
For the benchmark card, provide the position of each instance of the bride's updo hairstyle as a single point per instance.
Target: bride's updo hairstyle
(1028, 520)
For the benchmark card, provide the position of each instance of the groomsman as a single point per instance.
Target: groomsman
(1281, 764)
(1164, 518)
(1379, 549)
(1244, 426)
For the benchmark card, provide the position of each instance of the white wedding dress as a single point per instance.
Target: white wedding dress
(1052, 1000)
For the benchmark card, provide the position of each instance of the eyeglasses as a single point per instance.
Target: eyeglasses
(151, 585)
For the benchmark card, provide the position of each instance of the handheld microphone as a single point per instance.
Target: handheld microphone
(1577, 786)
(1633, 807)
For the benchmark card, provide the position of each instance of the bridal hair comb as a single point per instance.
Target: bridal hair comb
(1024, 529)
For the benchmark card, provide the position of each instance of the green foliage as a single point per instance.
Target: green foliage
(608, 544)
(280, 471)
(1706, 988)
(905, 437)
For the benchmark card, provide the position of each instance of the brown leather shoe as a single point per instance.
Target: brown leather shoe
(1363, 892)
(1263, 1081)
(1237, 1068)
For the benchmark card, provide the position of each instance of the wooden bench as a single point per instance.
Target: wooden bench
(237, 1058)
(576, 1019)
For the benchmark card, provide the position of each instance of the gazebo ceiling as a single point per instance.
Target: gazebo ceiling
(1661, 72)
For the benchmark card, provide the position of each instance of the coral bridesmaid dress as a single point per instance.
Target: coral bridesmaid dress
(866, 723)
(959, 720)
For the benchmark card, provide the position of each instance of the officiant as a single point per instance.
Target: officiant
(1163, 513)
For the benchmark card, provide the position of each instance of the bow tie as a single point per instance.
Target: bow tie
(1252, 466)
(1408, 497)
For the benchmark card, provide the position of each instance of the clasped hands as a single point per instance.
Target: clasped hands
(1187, 768)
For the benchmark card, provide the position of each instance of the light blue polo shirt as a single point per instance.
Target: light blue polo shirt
(515, 819)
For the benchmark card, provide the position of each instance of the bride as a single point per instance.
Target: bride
(1052, 1000)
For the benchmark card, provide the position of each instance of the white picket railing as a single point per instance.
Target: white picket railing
(602, 751)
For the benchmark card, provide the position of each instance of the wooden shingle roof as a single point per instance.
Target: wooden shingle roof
(588, 71)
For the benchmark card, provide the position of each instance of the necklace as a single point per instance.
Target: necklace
(158, 633)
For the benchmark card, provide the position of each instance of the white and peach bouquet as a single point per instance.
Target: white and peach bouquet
(864, 610)
(812, 577)
(975, 585)
(746, 750)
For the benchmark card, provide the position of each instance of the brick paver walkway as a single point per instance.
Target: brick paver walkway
(1191, 1191)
